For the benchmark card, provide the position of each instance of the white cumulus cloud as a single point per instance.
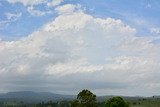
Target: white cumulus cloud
(82, 51)
(54, 3)
(68, 8)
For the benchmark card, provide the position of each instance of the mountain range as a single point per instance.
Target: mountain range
(36, 97)
(32, 97)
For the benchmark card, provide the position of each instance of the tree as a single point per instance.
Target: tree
(75, 103)
(85, 99)
(116, 102)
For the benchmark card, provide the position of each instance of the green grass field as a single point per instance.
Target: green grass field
(145, 103)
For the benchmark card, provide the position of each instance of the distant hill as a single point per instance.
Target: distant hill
(36, 97)
(32, 97)
(127, 98)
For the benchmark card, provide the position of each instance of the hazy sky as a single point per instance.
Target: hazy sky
(64, 46)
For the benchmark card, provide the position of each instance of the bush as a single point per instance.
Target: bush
(116, 102)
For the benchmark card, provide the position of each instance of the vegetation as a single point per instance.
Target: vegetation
(116, 102)
(86, 98)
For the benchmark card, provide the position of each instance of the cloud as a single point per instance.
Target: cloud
(27, 2)
(3, 24)
(54, 3)
(50, 3)
(82, 51)
(13, 16)
(155, 30)
(68, 8)
(72, 67)
(31, 6)
(35, 12)
(10, 17)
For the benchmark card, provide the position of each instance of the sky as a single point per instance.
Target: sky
(111, 47)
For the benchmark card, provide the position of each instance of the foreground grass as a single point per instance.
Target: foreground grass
(145, 103)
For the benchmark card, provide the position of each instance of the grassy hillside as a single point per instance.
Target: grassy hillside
(145, 102)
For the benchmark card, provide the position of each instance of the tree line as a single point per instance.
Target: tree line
(86, 98)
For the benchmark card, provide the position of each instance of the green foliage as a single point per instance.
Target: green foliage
(53, 104)
(85, 99)
(116, 102)
(75, 103)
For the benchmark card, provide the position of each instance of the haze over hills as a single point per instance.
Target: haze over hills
(30, 96)
(36, 97)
